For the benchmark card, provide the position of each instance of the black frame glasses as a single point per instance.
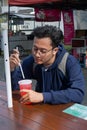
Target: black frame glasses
(41, 51)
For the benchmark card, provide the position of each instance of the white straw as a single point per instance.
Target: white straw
(21, 67)
(21, 71)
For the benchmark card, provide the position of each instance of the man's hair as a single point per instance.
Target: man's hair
(50, 31)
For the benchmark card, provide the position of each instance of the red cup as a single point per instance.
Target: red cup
(25, 84)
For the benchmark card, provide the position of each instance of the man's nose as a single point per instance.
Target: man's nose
(37, 53)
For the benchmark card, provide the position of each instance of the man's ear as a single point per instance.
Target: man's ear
(55, 50)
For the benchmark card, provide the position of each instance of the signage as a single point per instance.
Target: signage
(68, 26)
(47, 15)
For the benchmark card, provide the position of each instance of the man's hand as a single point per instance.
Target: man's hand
(31, 96)
(14, 59)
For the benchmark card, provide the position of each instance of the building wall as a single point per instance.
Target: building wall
(81, 19)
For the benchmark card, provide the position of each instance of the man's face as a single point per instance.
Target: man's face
(43, 51)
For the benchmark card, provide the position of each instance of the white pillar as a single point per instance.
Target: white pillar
(7, 67)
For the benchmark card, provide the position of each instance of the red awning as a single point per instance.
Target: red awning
(29, 2)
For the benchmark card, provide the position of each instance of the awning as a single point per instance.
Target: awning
(29, 2)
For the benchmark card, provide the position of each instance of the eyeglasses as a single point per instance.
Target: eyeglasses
(40, 51)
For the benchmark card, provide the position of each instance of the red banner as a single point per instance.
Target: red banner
(68, 26)
(47, 15)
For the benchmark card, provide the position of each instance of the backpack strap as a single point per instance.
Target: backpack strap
(62, 64)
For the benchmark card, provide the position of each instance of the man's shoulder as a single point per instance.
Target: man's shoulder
(66, 62)
(71, 59)
(72, 64)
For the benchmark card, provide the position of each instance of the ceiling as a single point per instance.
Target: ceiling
(66, 4)
(61, 4)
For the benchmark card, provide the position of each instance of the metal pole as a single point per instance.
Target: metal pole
(7, 67)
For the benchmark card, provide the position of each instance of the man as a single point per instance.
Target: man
(53, 86)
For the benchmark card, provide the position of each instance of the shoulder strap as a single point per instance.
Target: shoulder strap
(34, 65)
(62, 64)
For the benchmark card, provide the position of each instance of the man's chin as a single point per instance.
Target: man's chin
(38, 62)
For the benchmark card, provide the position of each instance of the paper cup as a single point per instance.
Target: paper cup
(25, 84)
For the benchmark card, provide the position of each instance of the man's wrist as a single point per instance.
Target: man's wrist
(41, 97)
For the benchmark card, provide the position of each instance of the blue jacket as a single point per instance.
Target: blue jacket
(56, 87)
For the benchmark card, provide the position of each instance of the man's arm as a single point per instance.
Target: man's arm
(75, 89)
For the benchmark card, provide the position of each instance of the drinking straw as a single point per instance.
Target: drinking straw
(21, 71)
(21, 67)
